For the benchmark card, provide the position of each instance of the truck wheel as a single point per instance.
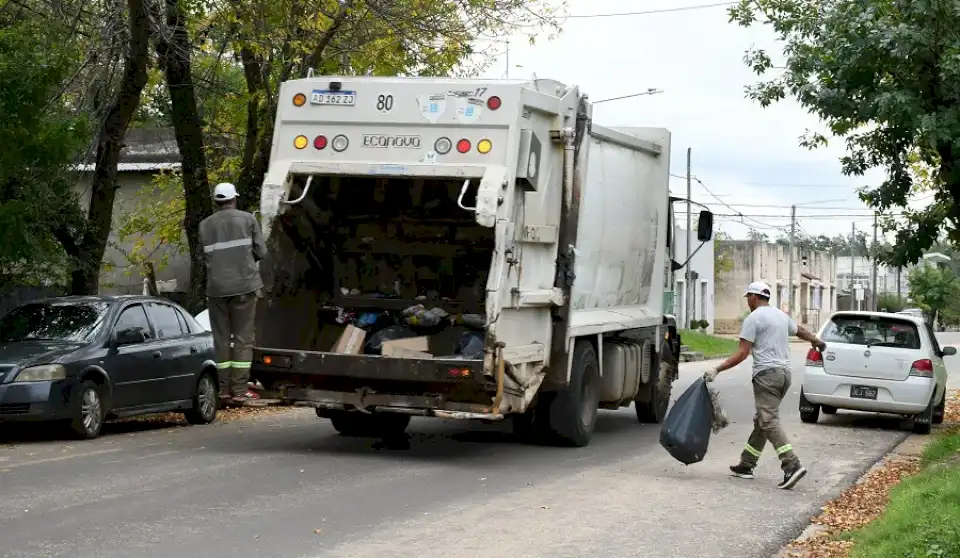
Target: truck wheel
(533, 426)
(654, 410)
(363, 425)
(573, 413)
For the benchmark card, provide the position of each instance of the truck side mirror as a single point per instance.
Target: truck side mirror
(705, 226)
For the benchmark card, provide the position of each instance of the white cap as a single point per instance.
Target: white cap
(758, 288)
(224, 192)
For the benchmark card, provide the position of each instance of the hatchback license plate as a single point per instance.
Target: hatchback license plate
(863, 392)
(343, 98)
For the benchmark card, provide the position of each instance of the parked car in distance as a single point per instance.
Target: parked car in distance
(877, 362)
(83, 360)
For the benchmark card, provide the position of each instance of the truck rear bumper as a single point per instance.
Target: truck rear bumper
(417, 405)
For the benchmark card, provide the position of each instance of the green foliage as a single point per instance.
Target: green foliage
(710, 346)
(153, 230)
(722, 257)
(887, 302)
(39, 139)
(883, 76)
(933, 288)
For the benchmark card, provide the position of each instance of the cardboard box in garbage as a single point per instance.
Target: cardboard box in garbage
(413, 347)
(350, 341)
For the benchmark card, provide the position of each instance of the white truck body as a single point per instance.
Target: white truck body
(553, 188)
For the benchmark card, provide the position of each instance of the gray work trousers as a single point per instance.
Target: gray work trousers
(769, 388)
(233, 315)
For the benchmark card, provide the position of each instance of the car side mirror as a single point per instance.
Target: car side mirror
(705, 226)
(131, 336)
(949, 351)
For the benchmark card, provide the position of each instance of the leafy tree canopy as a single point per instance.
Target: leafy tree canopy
(883, 75)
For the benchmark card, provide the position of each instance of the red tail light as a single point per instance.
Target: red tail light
(493, 103)
(459, 372)
(922, 368)
(814, 358)
(463, 145)
(320, 142)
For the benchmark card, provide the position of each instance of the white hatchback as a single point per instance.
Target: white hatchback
(877, 362)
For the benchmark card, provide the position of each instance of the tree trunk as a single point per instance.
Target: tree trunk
(85, 277)
(174, 48)
(247, 185)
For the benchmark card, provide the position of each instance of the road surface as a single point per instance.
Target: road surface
(288, 486)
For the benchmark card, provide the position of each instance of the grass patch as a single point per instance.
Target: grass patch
(710, 345)
(923, 516)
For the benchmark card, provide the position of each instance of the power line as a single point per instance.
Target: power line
(702, 185)
(776, 184)
(656, 11)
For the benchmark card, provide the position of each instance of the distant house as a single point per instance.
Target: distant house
(146, 152)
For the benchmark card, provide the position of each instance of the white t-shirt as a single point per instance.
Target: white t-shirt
(769, 329)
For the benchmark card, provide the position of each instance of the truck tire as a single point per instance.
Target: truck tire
(363, 425)
(573, 412)
(655, 410)
(533, 426)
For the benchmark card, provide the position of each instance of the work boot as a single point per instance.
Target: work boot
(742, 471)
(792, 476)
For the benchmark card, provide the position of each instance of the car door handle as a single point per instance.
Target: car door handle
(157, 354)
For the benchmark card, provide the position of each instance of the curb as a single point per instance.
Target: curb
(911, 446)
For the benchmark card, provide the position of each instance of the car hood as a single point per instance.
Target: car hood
(27, 353)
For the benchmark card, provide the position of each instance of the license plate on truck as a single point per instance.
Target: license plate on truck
(863, 392)
(324, 97)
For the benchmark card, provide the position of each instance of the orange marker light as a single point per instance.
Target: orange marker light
(299, 99)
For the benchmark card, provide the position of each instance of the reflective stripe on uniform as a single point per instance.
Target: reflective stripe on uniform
(224, 365)
(242, 364)
(228, 244)
(752, 450)
(784, 449)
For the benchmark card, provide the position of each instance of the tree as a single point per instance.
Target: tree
(887, 302)
(933, 288)
(40, 139)
(882, 75)
(722, 257)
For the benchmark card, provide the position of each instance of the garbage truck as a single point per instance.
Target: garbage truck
(468, 250)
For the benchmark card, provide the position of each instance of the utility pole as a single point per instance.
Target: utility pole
(793, 234)
(688, 273)
(873, 279)
(508, 59)
(853, 266)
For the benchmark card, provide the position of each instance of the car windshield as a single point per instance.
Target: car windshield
(875, 331)
(74, 322)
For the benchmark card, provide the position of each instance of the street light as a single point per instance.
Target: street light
(651, 91)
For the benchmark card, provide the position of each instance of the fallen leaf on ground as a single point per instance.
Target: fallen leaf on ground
(223, 415)
(318, 531)
(863, 502)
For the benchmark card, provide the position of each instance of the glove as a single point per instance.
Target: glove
(710, 375)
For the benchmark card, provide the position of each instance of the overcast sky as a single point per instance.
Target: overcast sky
(743, 153)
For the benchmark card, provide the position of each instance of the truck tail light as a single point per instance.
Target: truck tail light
(459, 372)
(814, 358)
(484, 146)
(922, 368)
(299, 100)
(340, 143)
(320, 142)
(443, 146)
(493, 103)
(463, 145)
(300, 142)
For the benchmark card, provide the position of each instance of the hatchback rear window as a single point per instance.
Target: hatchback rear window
(875, 331)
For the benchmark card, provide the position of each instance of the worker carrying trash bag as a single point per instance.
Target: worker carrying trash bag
(765, 334)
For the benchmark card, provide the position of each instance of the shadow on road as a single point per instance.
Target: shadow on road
(855, 419)
(26, 433)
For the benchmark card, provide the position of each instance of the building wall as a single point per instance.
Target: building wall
(702, 264)
(814, 282)
(117, 274)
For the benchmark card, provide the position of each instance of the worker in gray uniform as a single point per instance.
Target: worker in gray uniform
(765, 334)
(233, 246)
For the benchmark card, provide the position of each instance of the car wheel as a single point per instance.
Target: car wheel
(204, 410)
(828, 410)
(363, 425)
(87, 412)
(941, 409)
(573, 413)
(923, 422)
(809, 413)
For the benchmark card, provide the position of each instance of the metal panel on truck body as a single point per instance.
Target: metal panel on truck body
(621, 243)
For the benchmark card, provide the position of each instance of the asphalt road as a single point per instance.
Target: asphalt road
(288, 486)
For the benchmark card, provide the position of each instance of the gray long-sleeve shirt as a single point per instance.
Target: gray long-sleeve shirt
(232, 243)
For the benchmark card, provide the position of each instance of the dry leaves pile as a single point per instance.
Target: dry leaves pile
(862, 503)
(223, 415)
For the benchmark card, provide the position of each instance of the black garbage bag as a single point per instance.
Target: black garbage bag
(686, 429)
(470, 345)
(374, 344)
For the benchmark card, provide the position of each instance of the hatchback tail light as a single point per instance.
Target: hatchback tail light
(922, 368)
(814, 358)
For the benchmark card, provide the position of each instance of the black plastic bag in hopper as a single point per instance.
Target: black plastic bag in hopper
(374, 344)
(686, 430)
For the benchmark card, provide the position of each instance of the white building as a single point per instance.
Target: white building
(702, 265)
